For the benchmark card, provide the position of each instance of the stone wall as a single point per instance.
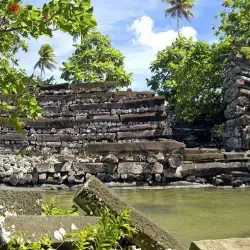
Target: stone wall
(139, 162)
(200, 133)
(237, 99)
(74, 115)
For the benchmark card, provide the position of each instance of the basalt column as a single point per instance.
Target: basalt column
(237, 99)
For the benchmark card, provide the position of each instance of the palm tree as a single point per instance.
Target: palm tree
(46, 59)
(179, 9)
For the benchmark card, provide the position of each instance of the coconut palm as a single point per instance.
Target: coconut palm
(46, 59)
(179, 9)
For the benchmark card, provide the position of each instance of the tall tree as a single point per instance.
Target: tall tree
(47, 59)
(20, 22)
(96, 60)
(179, 9)
(189, 73)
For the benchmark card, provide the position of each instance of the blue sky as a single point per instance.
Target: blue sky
(137, 27)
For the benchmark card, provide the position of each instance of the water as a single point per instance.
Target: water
(188, 214)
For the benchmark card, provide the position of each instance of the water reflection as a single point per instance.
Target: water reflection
(189, 214)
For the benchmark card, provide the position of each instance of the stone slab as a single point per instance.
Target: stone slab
(210, 169)
(203, 157)
(141, 134)
(59, 123)
(20, 201)
(106, 118)
(167, 146)
(95, 168)
(95, 86)
(143, 117)
(224, 244)
(34, 228)
(150, 101)
(94, 196)
(55, 86)
(131, 128)
(56, 98)
(139, 168)
(235, 156)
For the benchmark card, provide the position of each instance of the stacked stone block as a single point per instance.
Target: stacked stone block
(237, 99)
(74, 115)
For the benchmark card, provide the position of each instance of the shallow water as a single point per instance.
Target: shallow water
(188, 214)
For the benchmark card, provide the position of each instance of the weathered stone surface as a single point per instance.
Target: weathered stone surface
(153, 168)
(150, 101)
(237, 183)
(210, 169)
(203, 157)
(44, 168)
(34, 228)
(166, 146)
(42, 178)
(157, 178)
(95, 168)
(94, 196)
(170, 173)
(106, 118)
(142, 117)
(110, 158)
(96, 87)
(20, 201)
(138, 127)
(174, 160)
(131, 167)
(13, 180)
(140, 134)
(224, 244)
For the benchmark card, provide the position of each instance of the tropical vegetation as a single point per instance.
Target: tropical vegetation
(95, 60)
(20, 22)
(47, 59)
(190, 73)
(105, 235)
(179, 9)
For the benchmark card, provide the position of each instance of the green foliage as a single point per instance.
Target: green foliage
(46, 60)
(95, 60)
(18, 243)
(52, 208)
(20, 22)
(105, 235)
(179, 9)
(235, 22)
(189, 73)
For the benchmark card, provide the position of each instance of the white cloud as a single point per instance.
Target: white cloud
(145, 45)
(145, 34)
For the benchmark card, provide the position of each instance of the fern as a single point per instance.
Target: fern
(52, 208)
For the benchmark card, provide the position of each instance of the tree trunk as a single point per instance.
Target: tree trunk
(178, 26)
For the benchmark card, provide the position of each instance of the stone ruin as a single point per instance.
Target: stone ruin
(91, 129)
(121, 137)
(21, 211)
(237, 99)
